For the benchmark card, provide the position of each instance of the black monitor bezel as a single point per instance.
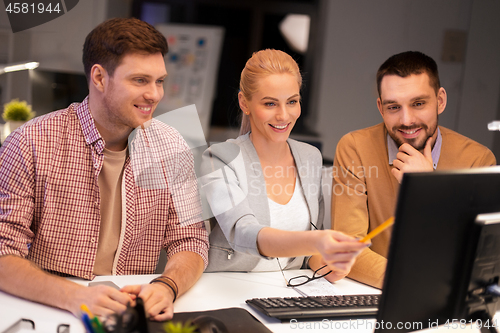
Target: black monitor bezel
(435, 215)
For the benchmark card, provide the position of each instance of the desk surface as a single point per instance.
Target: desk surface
(212, 291)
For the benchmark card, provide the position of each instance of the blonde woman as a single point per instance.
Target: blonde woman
(265, 188)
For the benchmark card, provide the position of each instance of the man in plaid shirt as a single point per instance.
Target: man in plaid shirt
(80, 196)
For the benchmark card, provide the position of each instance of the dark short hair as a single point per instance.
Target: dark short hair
(408, 63)
(111, 40)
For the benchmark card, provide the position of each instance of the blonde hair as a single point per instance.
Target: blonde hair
(264, 63)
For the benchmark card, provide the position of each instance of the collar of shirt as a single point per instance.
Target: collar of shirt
(89, 129)
(393, 149)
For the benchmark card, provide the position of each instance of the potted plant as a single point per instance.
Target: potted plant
(179, 327)
(15, 113)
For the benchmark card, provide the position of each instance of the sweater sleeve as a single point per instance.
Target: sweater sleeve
(350, 210)
(488, 159)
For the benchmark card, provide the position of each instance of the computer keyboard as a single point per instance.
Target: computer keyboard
(317, 306)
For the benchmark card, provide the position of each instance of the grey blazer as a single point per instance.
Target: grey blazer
(233, 184)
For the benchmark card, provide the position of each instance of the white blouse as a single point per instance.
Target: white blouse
(293, 216)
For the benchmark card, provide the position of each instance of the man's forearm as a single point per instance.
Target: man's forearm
(185, 268)
(22, 278)
(369, 269)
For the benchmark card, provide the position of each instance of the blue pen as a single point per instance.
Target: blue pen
(87, 323)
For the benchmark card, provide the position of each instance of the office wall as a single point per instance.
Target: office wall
(480, 100)
(360, 35)
(56, 45)
(6, 43)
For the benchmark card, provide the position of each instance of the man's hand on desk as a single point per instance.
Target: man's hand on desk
(17, 275)
(101, 300)
(317, 262)
(338, 251)
(158, 299)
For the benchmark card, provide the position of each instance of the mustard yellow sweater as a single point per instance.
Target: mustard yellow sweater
(365, 191)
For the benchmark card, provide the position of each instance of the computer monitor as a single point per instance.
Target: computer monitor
(439, 257)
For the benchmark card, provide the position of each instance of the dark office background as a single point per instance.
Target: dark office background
(250, 25)
(348, 42)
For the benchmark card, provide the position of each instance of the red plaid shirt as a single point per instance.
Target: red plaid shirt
(50, 201)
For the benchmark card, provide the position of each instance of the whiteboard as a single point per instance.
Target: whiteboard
(192, 64)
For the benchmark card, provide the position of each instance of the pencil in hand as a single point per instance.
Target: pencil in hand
(378, 230)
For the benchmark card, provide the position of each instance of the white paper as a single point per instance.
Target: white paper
(318, 287)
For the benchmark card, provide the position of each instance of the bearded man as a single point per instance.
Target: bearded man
(409, 140)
